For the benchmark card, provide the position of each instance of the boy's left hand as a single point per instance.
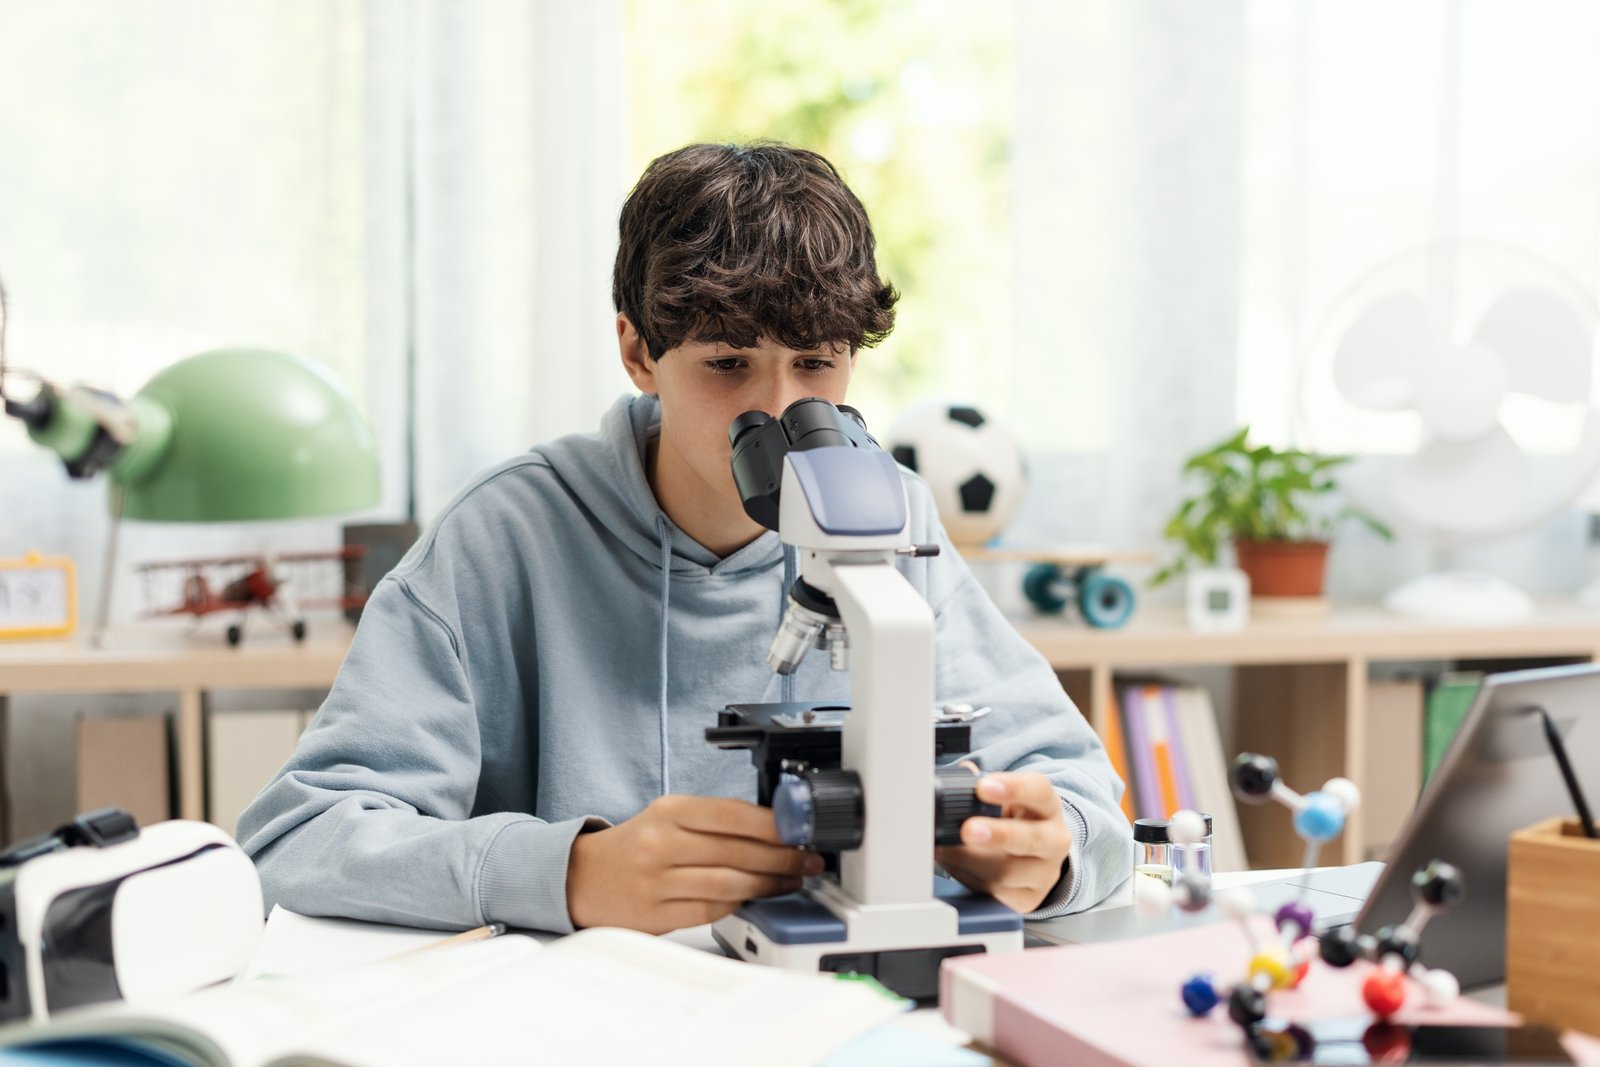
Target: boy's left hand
(1017, 858)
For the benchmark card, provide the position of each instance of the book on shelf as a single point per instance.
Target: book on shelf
(1148, 803)
(1164, 708)
(599, 996)
(1208, 770)
(1449, 700)
(1117, 753)
(1151, 707)
(1174, 755)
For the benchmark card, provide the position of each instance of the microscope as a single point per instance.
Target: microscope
(857, 784)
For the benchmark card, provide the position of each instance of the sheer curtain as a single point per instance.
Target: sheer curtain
(423, 195)
(178, 176)
(420, 194)
(1195, 185)
(1126, 230)
(1373, 129)
(517, 151)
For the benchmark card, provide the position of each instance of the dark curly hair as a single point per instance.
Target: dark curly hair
(734, 243)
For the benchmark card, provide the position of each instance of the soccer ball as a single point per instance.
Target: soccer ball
(971, 463)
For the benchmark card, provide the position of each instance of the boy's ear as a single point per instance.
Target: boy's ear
(635, 356)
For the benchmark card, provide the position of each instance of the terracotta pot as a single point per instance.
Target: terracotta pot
(1283, 568)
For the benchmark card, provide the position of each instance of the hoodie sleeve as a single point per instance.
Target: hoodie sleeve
(370, 818)
(1033, 726)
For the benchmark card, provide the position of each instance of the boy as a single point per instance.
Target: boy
(518, 734)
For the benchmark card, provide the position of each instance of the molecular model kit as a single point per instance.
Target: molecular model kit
(1283, 962)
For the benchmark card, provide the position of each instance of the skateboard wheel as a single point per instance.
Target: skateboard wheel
(1042, 586)
(1105, 602)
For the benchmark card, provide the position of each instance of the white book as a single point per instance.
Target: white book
(1208, 776)
(599, 996)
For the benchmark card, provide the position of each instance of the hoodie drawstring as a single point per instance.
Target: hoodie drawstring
(664, 534)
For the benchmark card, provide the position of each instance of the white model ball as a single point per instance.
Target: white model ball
(1346, 792)
(1186, 827)
(1153, 897)
(1440, 988)
(971, 463)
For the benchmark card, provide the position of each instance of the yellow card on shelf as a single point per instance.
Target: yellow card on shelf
(38, 596)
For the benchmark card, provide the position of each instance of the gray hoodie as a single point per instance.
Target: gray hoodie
(546, 660)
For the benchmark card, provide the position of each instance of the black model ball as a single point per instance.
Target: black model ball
(1340, 947)
(1247, 1005)
(1399, 941)
(1438, 885)
(1253, 776)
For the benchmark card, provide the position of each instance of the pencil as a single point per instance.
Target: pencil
(482, 933)
(1559, 750)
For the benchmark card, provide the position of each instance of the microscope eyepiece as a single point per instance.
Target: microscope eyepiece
(760, 442)
(750, 420)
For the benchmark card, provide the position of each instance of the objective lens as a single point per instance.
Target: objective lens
(838, 641)
(796, 634)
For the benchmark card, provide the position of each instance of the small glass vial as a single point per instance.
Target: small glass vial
(1193, 859)
(1152, 854)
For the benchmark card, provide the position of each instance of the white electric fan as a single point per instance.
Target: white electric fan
(1471, 366)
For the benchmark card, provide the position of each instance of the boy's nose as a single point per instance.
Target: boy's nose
(781, 397)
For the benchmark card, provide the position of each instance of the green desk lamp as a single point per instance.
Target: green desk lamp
(224, 436)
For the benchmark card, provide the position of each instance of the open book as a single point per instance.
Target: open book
(599, 996)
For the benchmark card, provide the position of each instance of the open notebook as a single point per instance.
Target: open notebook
(599, 996)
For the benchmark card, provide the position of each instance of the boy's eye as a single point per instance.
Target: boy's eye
(817, 366)
(723, 366)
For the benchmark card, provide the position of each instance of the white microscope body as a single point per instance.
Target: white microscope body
(844, 509)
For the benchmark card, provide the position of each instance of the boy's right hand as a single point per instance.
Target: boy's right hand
(682, 861)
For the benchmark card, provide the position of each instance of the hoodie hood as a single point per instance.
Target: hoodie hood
(606, 472)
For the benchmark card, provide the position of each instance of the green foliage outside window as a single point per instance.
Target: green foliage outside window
(912, 101)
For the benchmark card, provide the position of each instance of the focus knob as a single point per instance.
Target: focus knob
(823, 810)
(955, 800)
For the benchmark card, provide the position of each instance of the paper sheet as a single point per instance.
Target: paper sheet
(295, 944)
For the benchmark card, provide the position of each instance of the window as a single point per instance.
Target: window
(912, 101)
(179, 177)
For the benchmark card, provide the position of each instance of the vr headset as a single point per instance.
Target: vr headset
(101, 911)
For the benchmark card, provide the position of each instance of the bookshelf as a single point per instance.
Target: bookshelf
(158, 658)
(1300, 685)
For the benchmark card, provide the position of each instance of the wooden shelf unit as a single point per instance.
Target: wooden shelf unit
(1300, 685)
(1299, 694)
(157, 658)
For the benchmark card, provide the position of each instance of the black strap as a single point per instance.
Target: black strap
(108, 826)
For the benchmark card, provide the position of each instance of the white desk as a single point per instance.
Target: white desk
(296, 945)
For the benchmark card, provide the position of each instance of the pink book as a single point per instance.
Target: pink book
(1116, 1004)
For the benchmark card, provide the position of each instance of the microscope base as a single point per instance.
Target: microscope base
(797, 932)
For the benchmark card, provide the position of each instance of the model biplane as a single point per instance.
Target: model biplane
(282, 584)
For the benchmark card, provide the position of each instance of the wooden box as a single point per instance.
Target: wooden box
(123, 763)
(1553, 926)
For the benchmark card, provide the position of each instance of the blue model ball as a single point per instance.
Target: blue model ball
(1200, 995)
(1319, 818)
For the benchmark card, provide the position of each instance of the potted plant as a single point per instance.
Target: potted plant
(1263, 501)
